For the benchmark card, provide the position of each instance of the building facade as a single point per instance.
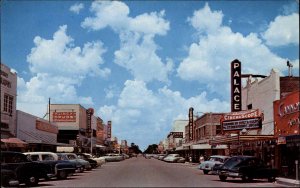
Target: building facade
(40, 134)
(8, 102)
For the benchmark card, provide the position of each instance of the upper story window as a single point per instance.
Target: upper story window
(8, 103)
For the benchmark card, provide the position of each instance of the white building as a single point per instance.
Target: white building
(8, 102)
(260, 95)
(41, 135)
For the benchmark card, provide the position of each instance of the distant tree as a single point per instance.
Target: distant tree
(134, 148)
(151, 148)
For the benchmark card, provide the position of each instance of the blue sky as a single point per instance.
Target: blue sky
(143, 64)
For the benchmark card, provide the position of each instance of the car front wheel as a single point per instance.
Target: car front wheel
(32, 181)
(62, 174)
(205, 171)
(223, 178)
(246, 178)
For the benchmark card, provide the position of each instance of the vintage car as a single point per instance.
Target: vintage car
(173, 158)
(26, 171)
(80, 163)
(8, 178)
(60, 168)
(213, 160)
(88, 158)
(247, 168)
(100, 160)
(113, 157)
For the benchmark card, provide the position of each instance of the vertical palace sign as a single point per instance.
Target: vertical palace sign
(236, 86)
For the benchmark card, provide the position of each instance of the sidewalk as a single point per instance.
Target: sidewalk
(288, 182)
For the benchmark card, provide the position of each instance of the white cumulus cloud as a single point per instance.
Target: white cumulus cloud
(141, 111)
(58, 68)
(138, 49)
(284, 30)
(208, 60)
(76, 8)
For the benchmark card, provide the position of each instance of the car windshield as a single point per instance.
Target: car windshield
(232, 162)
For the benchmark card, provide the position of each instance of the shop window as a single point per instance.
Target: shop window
(8, 103)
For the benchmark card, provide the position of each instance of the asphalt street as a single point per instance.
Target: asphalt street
(141, 172)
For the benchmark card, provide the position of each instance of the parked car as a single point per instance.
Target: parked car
(25, 170)
(173, 158)
(161, 157)
(80, 163)
(208, 165)
(8, 178)
(59, 168)
(247, 168)
(100, 160)
(113, 157)
(88, 158)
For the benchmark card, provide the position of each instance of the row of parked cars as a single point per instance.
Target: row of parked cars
(30, 167)
(171, 158)
(245, 167)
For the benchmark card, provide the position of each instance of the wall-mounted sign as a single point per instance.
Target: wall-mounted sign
(236, 86)
(191, 122)
(45, 126)
(109, 129)
(286, 115)
(64, 116)
(176, 134)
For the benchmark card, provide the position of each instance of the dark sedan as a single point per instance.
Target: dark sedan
(247, 168)
(25, 170)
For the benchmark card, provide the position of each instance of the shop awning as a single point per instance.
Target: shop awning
(13, 142)
(235, 139)
(201, 146)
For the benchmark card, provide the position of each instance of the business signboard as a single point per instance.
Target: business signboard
(89, 113)
(45, 126)
(176, 134)
(109, 129)
(64, 116)
(236, 86)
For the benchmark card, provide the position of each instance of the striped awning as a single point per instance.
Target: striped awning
(240, 138)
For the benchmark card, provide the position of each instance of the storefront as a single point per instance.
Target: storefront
(286, 116)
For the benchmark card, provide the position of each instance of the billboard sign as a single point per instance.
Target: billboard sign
(236, 86)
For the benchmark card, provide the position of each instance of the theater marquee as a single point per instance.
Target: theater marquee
(249, 119)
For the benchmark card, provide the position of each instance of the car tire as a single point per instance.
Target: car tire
(62, 174)
(246, 178)
(32, 181)
(222, 178)
(205, 171)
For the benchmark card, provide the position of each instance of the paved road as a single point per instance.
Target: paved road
(141, 172)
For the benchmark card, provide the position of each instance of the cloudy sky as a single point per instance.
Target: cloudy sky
(143, 64)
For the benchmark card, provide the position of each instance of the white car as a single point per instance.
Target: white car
(208, 165)
(100, 160)
(173, 158)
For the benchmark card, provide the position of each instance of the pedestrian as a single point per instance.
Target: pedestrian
(201, 159)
